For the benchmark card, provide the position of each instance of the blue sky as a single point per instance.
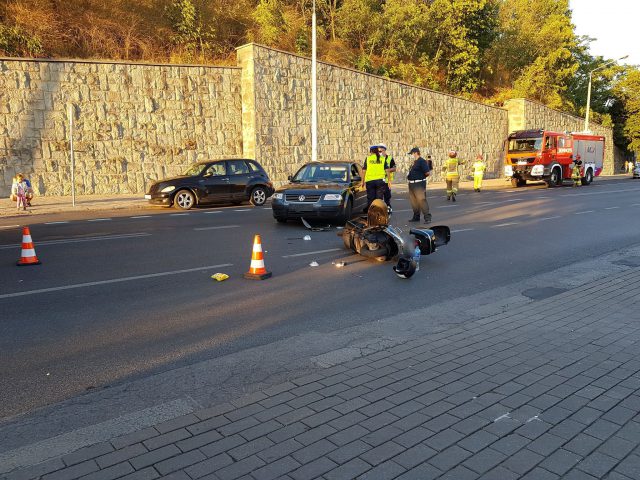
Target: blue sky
(614, 24)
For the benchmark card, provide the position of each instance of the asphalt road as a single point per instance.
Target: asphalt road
(127, 295)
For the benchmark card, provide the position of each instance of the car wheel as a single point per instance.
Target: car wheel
(281, 219)
(258, 196)
(346, 213)
(588, 178)
(184, 200)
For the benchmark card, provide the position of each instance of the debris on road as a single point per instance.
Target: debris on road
(314, 264)
(315, 229)
(339, 264)
(220, 277)
(307, 237)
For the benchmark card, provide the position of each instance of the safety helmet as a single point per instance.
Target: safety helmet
(453, 154)
(382, 145)
(405, 267)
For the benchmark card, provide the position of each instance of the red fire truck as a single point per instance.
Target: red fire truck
(549, 156)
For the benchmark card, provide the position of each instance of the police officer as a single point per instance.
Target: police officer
(375, 171)
(478, 172)
(382, 150)
(452, 176)
(417, 180)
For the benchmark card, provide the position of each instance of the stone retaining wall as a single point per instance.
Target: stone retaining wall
(134, 123)
(356, 110)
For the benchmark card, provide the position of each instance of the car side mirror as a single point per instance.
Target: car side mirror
(208, 174)
(290, 177)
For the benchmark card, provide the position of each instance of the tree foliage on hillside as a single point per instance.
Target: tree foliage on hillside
(491, 50)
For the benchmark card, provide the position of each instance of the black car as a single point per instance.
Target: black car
(327, 190)
(219, 181)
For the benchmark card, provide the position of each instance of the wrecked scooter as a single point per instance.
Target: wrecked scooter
(371, 236)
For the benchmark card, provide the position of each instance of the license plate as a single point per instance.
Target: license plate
(522, 162)
(147, 197)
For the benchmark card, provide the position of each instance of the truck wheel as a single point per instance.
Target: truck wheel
(515, 182)
(522, 182)
(588, 178)
(555, 179)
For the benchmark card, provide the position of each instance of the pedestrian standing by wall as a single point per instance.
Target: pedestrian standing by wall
(479, 168)
(452, 175)
(382, 150)
(375, 171)
(417, 180)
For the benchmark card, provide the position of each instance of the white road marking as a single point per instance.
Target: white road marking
(141, 216)
(114, 280)
(550, 218)
(215, 211)
(636, 205)
(218, 227)
(514, 200)
(462, 230)
(243, 210)
(611, 208)
(607, 192)
(178, 214)
(99, 220)
(582, 213)
(7, 227)
(80, 239)
(542, 197)
(504, 224)
(55, 223)
(312, 253)
(447, 206)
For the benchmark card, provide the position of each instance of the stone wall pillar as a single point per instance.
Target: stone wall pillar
(246, 61)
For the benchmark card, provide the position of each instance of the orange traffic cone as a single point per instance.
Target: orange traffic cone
(28, 255)
(257, 270)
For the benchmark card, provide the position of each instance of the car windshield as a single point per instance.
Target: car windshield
(194, 170)
(321, 172)
(525, 144)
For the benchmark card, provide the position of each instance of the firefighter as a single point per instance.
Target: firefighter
(478, 172)
(452, 176)
(375, 172)
(575, 172)
(382, 150)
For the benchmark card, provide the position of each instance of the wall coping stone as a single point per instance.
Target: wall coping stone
(113, 62)
(559, 111)
(406, 84)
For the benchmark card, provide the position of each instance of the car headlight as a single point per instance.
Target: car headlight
(332, 196)
(537, 170)
(168, 189)
(278, 196)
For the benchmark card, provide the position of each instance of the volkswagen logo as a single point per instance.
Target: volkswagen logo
(301, 198)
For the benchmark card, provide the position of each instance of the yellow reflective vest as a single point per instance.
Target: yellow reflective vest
(478, 168)
(376, 166)
(451, 167)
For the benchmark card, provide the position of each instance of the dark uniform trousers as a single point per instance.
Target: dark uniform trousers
(375, 190)
(418, 199)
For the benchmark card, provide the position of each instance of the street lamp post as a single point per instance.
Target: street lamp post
(586, 116)
(314, 89)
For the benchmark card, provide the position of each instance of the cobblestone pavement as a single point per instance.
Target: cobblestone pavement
(542, 391)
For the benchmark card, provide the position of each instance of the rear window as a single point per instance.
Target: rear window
(237, 167)
(254, 167)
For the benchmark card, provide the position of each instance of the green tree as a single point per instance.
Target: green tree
(627, 106)
(190, 33)
(270, 20)
(16, 42)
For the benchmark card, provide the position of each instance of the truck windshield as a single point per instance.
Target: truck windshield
(525, 144)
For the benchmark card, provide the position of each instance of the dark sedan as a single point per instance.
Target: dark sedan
(219, 181)
(326, 190)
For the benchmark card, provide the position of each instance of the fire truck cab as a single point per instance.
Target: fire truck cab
(550, 156)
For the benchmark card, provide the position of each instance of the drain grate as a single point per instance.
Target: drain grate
(540, 293)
